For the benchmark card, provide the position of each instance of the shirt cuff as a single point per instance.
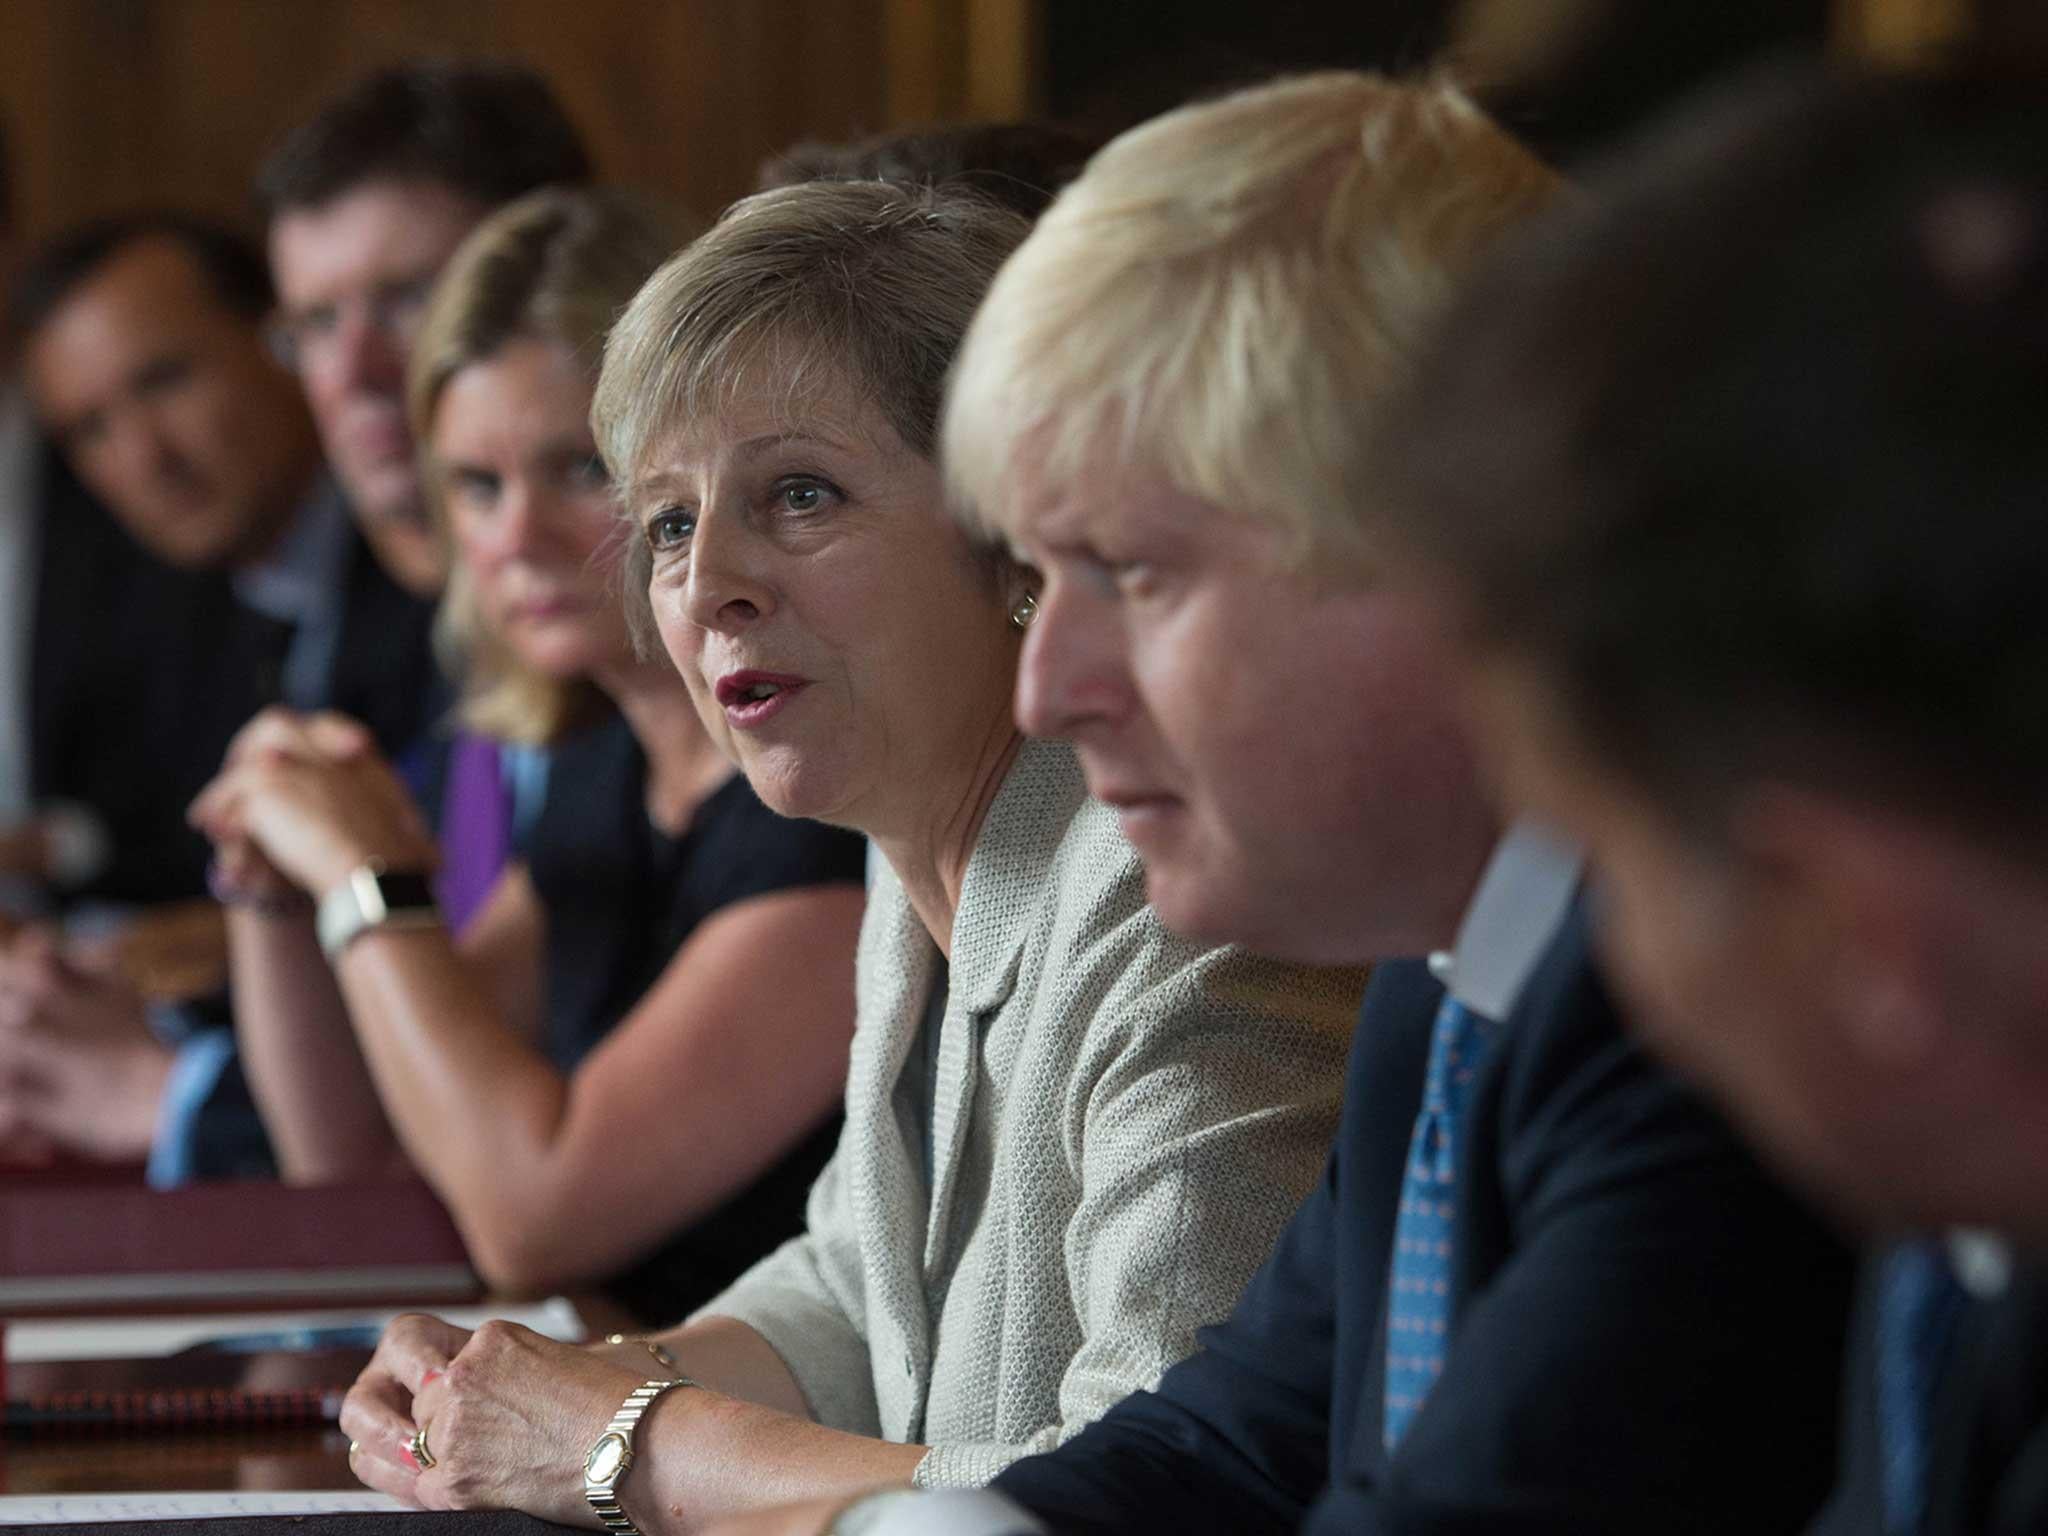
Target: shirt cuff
(195, 1069)
(79, 845)
(901, 1512)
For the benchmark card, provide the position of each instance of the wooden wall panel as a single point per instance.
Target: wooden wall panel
(108, 103)
(1901, 32)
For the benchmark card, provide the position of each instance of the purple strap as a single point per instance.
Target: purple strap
(476, 828)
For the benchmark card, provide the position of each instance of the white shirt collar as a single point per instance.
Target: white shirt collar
(1982, 1261)
(1516, 909)
(303, 572)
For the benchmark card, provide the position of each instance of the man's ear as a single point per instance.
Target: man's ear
(1854, 881)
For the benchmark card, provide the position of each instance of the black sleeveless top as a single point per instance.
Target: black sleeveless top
(620, 897)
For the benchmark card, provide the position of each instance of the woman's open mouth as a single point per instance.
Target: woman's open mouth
(749, 698)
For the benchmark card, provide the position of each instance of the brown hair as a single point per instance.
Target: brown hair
(1021, 165)
(490, 131)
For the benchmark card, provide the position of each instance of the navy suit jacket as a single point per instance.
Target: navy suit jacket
(1988, 1463)
(383, 674)
(1647, 1334)
(109, 728)
(141, 674)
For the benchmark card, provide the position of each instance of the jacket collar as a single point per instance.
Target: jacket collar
(1013, 852)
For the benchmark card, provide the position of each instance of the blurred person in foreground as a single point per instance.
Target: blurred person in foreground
(1538, 1281)
(612, 994)
(1733, 488)
(146, 363)
(1070, 1136)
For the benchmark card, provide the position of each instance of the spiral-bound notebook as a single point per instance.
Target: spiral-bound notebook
(193, 1389)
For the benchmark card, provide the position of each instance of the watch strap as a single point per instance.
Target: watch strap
(603, 1496)
(373, 897)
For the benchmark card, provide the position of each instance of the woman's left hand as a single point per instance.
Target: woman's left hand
(315, 817)
(510, 1420)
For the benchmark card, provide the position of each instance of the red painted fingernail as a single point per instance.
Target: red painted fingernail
(431, 1376)
(410, 1459)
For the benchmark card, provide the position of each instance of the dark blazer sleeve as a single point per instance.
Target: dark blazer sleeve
(1988, 1466)
(383, 672)
(229, 1140)
(1654, 1342)
(1648, 1333)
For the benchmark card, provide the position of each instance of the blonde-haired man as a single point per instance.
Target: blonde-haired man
(1541, 1288)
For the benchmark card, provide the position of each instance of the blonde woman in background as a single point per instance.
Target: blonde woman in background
(626, 1070)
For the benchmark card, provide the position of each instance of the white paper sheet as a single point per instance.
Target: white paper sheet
(123, 1338)
(81, 1508)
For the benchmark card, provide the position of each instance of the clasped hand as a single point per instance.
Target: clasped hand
(508, 1416)
(79, 1068)
(301, 802)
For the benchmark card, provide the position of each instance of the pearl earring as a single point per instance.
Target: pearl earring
(1022, 610)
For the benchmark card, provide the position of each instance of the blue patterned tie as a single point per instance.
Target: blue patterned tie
(1919, 1300)
(1419, 1308)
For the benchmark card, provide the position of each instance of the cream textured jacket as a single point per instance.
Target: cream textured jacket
(1122, 1123)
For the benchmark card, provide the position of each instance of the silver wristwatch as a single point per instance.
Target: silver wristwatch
(373, 897)
(612, 1455)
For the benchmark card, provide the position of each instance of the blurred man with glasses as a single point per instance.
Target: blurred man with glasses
(365, 201)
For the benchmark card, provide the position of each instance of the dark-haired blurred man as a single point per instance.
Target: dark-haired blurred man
(1734, 482)
(64, 839)
(39, 841)
(146, 363)
(365, 201)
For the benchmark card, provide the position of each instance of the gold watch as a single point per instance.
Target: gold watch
(612, 1456)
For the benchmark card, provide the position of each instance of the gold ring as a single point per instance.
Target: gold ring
(420, 1453)
(352, 1449)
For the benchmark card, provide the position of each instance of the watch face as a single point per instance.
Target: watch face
(607, 1458)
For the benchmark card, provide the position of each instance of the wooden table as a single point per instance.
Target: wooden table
(182, 1461)
(72, 1247)
(182, 1458)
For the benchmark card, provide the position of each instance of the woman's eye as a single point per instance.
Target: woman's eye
(669, 531)
(803, 497)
